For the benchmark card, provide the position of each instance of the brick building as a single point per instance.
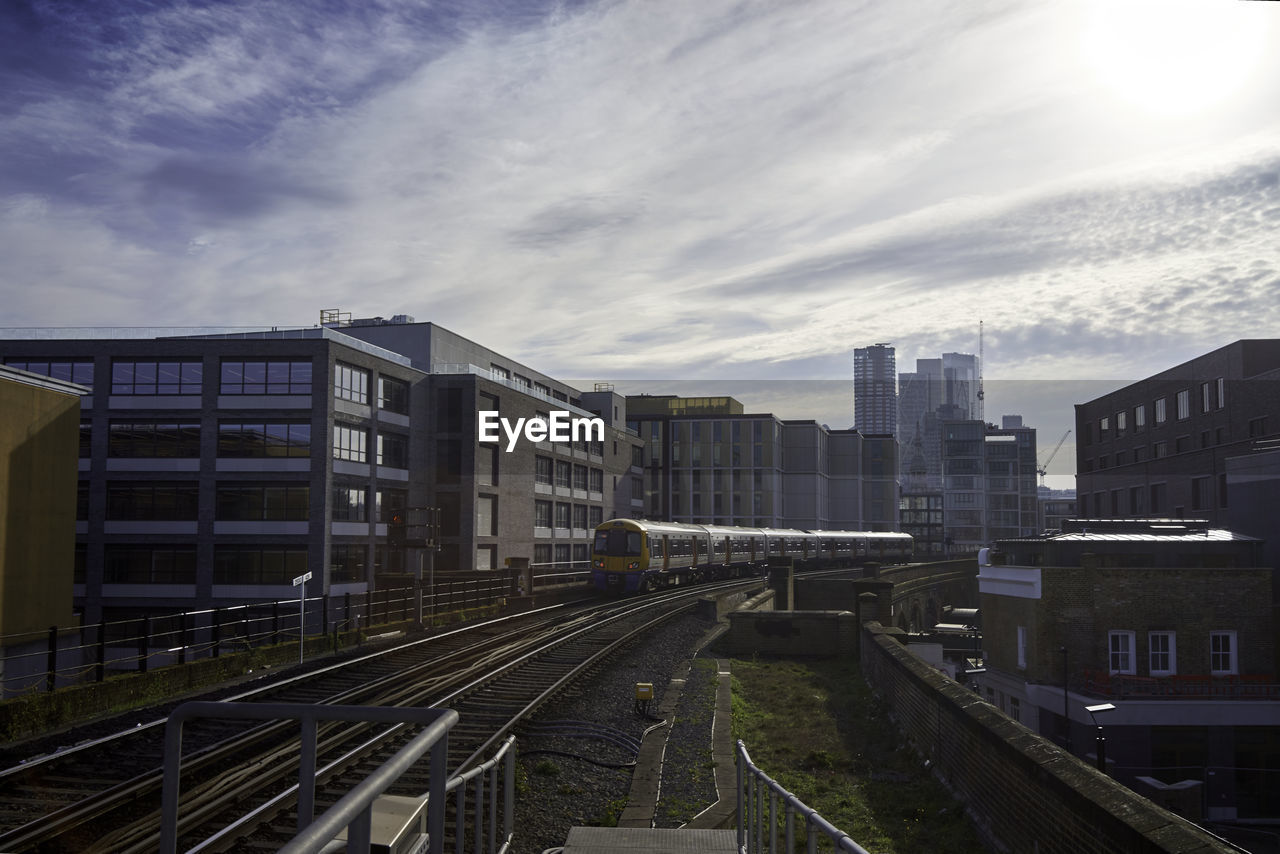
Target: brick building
(1169, 620)
(1161, 446)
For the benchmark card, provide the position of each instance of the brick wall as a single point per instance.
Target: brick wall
(1023, 793)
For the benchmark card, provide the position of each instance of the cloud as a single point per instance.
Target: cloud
(717, 190)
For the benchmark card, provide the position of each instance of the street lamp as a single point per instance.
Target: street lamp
(1100, 742)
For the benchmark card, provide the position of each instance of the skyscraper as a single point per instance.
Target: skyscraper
(875, 390)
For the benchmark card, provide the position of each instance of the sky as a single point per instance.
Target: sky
(732, 195)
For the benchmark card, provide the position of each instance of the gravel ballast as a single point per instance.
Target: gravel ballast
(559, 791)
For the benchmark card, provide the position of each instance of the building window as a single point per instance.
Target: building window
(1257, 427)
(542, 470)
(541, 554)
(1121, 652)
(147, 378)
(349, 504)
(1158, 498)
(564, 473)
(393, 395)
(579, 516)
(152, 439)
(597, 480)
(563, 512)
(393, 450)
(236, 565)
(1015, 708)
(68, 370)
(389, 502)
(1222, 392)
(263, 503)
(347, 562)
(1022, 647)
(256, 439)
(1200, 493)
(486, 557)
(1161, 413)
(241, 377)
(350, 383)
(486, 516)
(350, 443)
(1204, 397)
(162, 502)
(1120, 422)
(580, 477)
(1104, 427)
(1163, 653)
(542, 514)
(1184, 404)
(1159, 449)
(562, 554)
(1222, 653)
(595, 516)
(1139, 417)
(142, 565)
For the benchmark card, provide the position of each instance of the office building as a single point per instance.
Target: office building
(707, 461)
(875, 390)
(217, 468)
(989, 488)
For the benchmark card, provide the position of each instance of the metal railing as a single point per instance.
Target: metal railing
(1182, 687)
(486, 815)
(62, 656)
(354, 811)
(758, 827)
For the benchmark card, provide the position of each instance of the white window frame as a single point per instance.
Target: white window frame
(1233, 666)
(1172, 652)
(1022, 647)
(1127, 664)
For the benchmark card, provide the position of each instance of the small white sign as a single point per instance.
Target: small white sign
(302, 579)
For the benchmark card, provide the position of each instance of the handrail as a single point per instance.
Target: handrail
(752, 784)
(353, 810)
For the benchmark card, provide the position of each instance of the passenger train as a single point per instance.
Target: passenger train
(638, 554)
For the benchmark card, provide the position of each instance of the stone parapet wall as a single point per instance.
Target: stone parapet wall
(1023, 792)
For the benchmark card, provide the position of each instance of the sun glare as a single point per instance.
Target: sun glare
(1176, 57)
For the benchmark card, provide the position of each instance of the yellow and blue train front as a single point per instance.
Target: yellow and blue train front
(619, 556)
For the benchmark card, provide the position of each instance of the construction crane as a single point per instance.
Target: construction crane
(1041, 470)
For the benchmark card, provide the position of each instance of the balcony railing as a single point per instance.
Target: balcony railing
(1191, 687)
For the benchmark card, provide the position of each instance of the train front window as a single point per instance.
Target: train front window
(618, 543)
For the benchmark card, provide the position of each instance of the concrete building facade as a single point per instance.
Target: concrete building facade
(215, 469)
(39, 437)
(989, 487)
(707, 461)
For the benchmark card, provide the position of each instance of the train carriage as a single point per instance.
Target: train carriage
(631, 555)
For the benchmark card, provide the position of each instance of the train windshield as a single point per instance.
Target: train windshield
(618, 543)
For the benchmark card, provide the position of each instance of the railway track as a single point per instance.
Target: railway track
(107, 793)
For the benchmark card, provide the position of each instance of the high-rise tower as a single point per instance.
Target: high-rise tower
(875, 389)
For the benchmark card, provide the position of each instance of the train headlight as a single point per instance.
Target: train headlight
(635, 564)
(598, 564)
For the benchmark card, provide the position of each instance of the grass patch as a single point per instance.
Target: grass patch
(815, 728)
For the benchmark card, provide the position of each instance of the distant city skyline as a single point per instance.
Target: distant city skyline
(652, 192)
